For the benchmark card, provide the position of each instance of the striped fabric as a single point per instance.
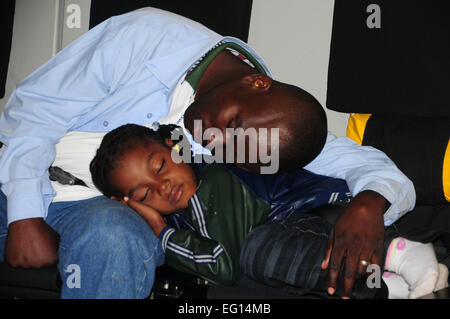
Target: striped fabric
(201, 228)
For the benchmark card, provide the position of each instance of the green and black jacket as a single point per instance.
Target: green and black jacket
(221, 213)
(206, 239)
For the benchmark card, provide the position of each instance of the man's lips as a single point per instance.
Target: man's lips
(176, 193)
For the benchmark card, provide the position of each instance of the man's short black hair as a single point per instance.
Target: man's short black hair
(306, 126)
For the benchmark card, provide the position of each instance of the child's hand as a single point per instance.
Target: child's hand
(151, 216)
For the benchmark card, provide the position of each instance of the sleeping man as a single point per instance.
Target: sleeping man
(151, 66)
(224, 221)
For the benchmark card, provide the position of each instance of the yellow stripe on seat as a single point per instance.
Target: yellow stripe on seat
(446, 173)
(356, 126)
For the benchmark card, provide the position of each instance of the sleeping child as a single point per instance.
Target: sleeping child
(208, 216)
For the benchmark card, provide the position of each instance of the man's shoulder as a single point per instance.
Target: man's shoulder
(159, 19)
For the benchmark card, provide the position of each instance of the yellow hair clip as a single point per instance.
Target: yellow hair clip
(176, 147)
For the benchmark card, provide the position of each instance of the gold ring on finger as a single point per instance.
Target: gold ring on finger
(364, 263)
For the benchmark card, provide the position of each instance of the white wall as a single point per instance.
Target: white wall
(32, 42)
(39, 32)
(293, 37)
(71, 32)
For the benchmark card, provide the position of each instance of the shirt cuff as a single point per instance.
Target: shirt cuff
(401, 203)
(27, 199)
(25, 206)
(165, 235)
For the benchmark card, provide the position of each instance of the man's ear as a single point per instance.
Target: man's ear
(169, 142)
(257, 81)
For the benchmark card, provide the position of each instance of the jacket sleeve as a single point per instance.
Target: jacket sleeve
(188, 251)
(293, 192)
(221, 214)
(366, 168)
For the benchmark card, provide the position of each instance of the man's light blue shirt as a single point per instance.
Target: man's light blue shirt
(123, 71)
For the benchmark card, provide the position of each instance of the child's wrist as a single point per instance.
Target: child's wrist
(158, 226)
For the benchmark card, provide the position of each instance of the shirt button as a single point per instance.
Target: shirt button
(105, 123)
(149, 115)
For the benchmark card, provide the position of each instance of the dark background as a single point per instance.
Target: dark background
(230, 17)
(6, 24)
(403, 68)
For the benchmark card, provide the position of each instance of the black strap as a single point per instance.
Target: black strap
(65, 178)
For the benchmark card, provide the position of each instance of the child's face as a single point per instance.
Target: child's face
(148, 174)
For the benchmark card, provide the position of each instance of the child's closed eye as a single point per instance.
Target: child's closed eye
(145, 195)
(141, 194)
(161, 166)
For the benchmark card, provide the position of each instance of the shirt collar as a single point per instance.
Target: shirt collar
(171, 67)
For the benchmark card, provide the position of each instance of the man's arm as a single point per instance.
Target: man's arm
(382, 194)
(357, 235)
(31, 243)
(366, 168)
(39, 112)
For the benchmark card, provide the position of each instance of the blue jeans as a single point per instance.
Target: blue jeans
(107, 245)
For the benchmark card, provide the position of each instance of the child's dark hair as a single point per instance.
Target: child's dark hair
(115, 144)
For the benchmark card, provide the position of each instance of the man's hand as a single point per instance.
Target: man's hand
(358, 234)
(151, 216)
(31, 243)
